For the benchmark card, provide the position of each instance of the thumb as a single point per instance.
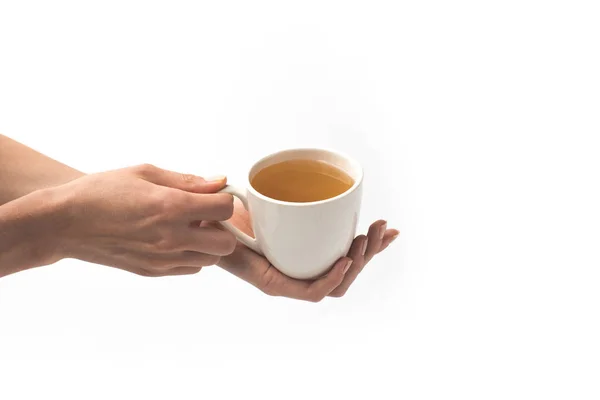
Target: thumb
(177, 180)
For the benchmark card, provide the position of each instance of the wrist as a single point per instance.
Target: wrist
(54, 221)
(32, 228)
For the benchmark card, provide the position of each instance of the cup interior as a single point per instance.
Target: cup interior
(339, 160)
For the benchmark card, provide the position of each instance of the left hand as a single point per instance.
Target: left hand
(256, 270)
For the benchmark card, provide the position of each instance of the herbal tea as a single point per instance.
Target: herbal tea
(301, 181)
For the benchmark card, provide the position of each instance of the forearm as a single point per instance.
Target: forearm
(30, 213)
(24, 170)
(30, 230)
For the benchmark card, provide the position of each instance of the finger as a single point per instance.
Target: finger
(210, 240)
(388, 238)
(240, 219)
(315, 291)
(176, 180)
(359, 247)
(169, 272)
(357, 254)
(166, 272)
(325, 285)
(181, 258)
(195, 259)
(208, 207)
(375, 235)
(196, 238)
(246, 265)
(256, 270)
(182, 271)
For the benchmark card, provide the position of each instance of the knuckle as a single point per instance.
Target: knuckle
(210, 260)
(184, 271)
(338, 293)
(144, 272)
(229, 244)
(163, 244)
(170, 205)
(167, 204)
(156, 202)
(315, 297)
(145, 169)
(224, 206)
(154, 267)
(187, 179)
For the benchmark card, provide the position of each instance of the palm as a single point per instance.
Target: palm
(257, 270)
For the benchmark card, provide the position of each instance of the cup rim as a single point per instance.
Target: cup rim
(355, 164)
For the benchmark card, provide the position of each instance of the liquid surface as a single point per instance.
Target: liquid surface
(301, 181)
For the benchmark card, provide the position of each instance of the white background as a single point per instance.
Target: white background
(477, 125)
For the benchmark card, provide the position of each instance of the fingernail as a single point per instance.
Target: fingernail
(347, 266)
(364, 246)
(394, 237)
(382, 230)
(216, 178)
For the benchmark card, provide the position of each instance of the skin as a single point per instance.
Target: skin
(144, 220)
(256, 270)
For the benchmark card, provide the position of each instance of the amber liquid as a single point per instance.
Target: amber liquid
(301, 181)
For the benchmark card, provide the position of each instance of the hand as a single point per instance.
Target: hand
(145, 220)
(256, 270)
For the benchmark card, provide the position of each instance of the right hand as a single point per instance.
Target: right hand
(258, 271)
(145, 220)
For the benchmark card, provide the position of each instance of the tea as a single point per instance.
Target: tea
(301, 181)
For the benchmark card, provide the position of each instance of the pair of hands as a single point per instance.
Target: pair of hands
(154, 222)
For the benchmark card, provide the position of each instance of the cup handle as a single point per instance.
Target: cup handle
(241, 236)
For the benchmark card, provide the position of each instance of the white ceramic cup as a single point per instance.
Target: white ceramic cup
(302, 240)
